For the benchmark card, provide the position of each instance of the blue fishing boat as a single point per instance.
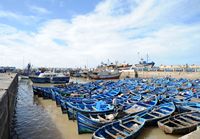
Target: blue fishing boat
(141, 106)
(100, 103)
(60, 79)
(158, 90)
(127, 128)
(42, 92)
(170, 92)
(157, 113)
(93, 107)
(88, 123)
(36, 90)
(91, 122)
(196, 94)
(189, 106)
(40, 79)
(49, 77)
(63, 105)
(180, 97)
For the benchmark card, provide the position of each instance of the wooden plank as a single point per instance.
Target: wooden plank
(123, 134)
(181, 121)
(189, 120)
(190, 115)
(152, 115)
(112, 135)
(137, 122)
(125, 127)
(165, 110)
(144, 104)
(175, 123)
(159, 113)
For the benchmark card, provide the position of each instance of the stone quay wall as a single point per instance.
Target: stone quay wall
(160, 74)
(8, 93)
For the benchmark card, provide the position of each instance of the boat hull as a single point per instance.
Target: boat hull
(181, 123)
(39, 79)
(124, 128)
(86, 125)
(189, 106)
(103, 77)
(158, 113)
(72, 110)
(59, 80)
(147, 65)
(54, 80)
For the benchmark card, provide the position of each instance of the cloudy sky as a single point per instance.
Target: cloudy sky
(74, 33)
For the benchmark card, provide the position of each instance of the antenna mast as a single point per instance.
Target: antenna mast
(138, 56)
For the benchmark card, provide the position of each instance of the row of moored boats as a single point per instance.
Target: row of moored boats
(121, 109)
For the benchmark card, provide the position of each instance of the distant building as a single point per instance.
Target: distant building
(179, 66)
(7, 69)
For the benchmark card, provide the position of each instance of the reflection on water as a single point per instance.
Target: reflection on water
(36, 118)
(67, 128)
(32, 121)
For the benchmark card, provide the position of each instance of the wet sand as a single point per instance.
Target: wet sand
(68, 128)
(156, 133)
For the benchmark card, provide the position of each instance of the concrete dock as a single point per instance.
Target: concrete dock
(8, 92)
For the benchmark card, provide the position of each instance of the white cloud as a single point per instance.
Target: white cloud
(114, 31)
(8, 14)
(23, 19)
(39, 10)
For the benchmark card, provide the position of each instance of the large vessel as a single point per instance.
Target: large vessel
(106, 74)
(49, 77)
(145, 64)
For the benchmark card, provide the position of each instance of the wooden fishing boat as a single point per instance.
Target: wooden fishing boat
(127, 128)
(189, 106)
(180, 97)
(141, 106)
(88, 123)
(49, 77)
(36, 90)
(194, 99)
(60, 79)
(94, 107)
(157, 113)
(42, 92)
(181, 123)
(196, 94)
(40, 79)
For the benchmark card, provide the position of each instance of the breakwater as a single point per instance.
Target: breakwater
(160, 74)
(8, 91)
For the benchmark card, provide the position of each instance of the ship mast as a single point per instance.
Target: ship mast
(138, 56)
(147, 57)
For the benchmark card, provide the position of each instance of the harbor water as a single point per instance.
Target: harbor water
(38, 118)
